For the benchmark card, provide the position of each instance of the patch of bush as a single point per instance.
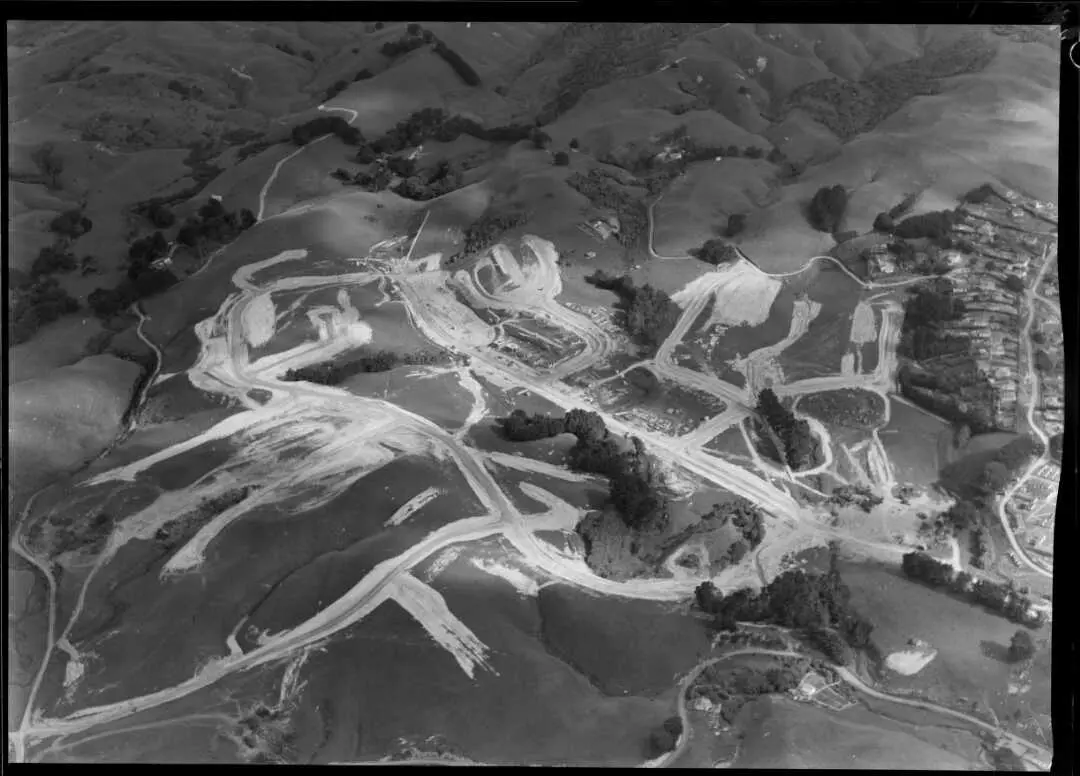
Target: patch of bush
(646, 312)
(561, 159)
(363, 75)
(826, 209)
(329, 373)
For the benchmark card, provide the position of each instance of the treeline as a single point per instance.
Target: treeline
(1002, 599)
(716, 251)
(485, 231)
(329, 373)
(827, 207)
(416, 36)
(646, 312)
(792, 600)
(326, 125)
(797, 442)
(631, 212)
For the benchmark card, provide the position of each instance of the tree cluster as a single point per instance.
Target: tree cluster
(214, 226)
(155, 211)
(792, 600)
(795, 436)
(925, 310)
(326, 125)
(71, 224)
(998, 598)
(826, 209)
(858, 495)
(716, 252)
(735, 225)
(646, 312)
(635, 490)
(329, 373)
(34, 301)
(934, 225)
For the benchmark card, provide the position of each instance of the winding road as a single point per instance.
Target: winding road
(224, 367)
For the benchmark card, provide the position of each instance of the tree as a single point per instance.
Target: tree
(674, 725)
(574, 144)
(50, 164)
(562, 159)
(539, 138)
(661, 742)
(211, 209)
(413, 28)
(1021, 647)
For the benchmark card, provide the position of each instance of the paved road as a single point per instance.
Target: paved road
(1032, 401)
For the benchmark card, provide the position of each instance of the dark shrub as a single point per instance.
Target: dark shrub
(562, 159)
